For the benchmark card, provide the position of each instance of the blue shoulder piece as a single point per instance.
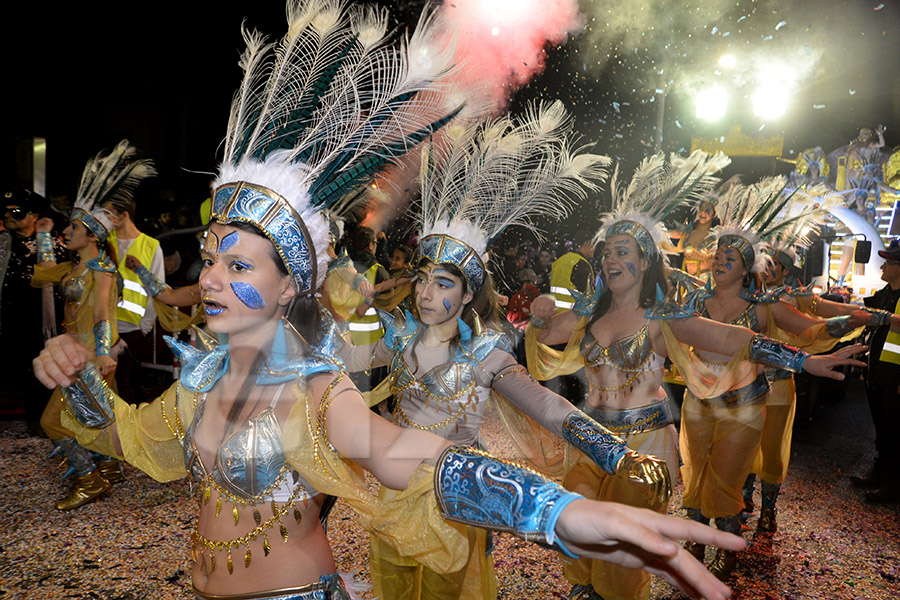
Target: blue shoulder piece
(398, 333)
(671, 310)
(800, 292)
(199, 369)
(478, 344)
(341, 261)
(757, 296)
(586, 303)
(101, 263)
(289, 360)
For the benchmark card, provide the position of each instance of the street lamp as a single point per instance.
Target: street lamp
(711, 103)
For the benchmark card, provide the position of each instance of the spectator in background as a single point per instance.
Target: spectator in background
(883, 385)
(519, 309)
(135, 313)
(573, 271)
(542, 267)
(23, 316)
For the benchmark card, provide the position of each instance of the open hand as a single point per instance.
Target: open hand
(825, 365)
(639, 538)
(543, 307)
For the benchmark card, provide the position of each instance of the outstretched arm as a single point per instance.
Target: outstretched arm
(552, 328)
(712, 336)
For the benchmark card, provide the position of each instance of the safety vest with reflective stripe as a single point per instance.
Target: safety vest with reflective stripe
(561, 279)
(133, 305)
(367, 328)
(891, 350)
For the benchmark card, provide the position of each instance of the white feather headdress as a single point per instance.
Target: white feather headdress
(488, 177)
(109, 178)
(765, 211)
(656, 189)
(320, 114)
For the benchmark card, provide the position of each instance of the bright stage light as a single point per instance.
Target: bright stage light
(711, 103)
(770, 101)
(727, 61)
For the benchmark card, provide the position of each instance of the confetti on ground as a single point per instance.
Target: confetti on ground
(133, 543)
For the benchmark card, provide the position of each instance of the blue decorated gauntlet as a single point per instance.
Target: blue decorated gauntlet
(476, 489)
(596, 441)
(612, 454)
(102, 338)
(838, 327)
(879, 317)
(89, 399)
(772, 353)
(44, 241)
(150, 281)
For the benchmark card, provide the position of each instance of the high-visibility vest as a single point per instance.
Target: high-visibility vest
(891, 350)
(366, 329)
(561, 279)
(133, 304)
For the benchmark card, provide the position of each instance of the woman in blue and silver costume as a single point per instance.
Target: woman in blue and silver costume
(450, 359)
(89, 288)
(622, 336)
(722, 426)
(267, 422)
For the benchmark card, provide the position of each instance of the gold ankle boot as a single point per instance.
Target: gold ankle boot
(767, 520)
(111, 470)
(696, 550)
(87, 488)
(723, 564)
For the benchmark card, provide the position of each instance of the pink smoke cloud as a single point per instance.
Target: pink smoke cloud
(500, 47)
(501, 42)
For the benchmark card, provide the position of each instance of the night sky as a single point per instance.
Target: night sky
(86, 75)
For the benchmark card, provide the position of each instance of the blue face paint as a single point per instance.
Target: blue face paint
(228, 242)
(247, 294)
(447, 305)
(632, 269)
(728, 266)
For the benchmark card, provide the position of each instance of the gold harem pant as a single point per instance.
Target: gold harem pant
(400, 577)
(719, 440)
(648, 430)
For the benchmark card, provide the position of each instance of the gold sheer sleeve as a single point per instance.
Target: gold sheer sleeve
(409, 520)
(149, 435)
(545, 362)
(813, 340)
(700, 377)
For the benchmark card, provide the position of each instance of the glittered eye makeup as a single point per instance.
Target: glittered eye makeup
(228, 242)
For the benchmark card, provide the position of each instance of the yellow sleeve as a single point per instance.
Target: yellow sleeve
(48, 275)
(390, 299)
(699, 378)
(813, 340)
(545, 362)
(409, 520)
(150, 435)
(342, 297)
(173, 320)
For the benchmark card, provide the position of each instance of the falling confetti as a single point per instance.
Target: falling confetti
(780, 25)
(852, 92)
(818, 106)
(879, 7)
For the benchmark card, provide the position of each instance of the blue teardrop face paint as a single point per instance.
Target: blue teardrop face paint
(631, 269)
(228, 242)
(728, 266)
(447, 305)
(248, 294)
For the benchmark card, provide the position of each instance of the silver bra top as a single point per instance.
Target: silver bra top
(250, 464)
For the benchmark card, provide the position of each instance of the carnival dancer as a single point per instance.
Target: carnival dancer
(90, 290)
(697, 243)
(267, 422)
(448, 359)
(610, 337)
(721, 433)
